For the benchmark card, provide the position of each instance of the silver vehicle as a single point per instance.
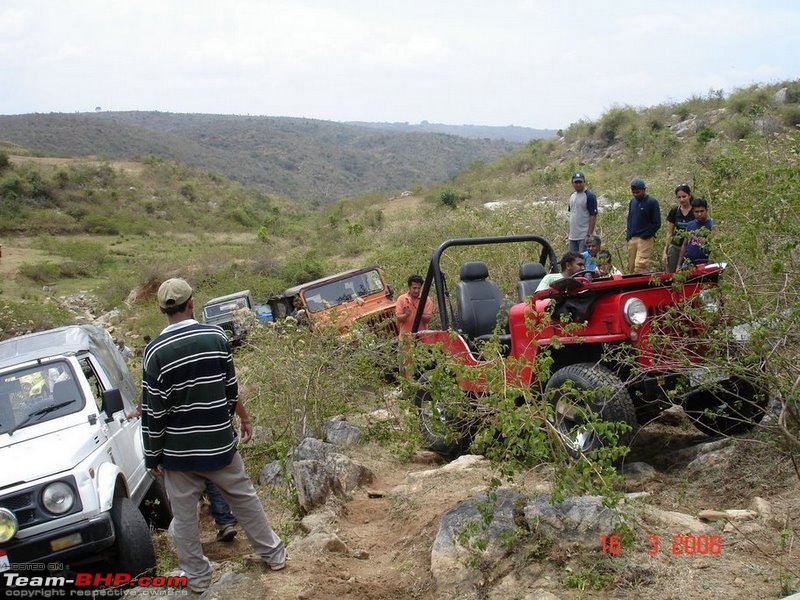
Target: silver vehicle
(223, 311)
(73, 473)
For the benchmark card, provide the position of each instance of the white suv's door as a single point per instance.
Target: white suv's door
(125, 437)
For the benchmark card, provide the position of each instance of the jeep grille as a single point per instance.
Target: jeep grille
(28, 511)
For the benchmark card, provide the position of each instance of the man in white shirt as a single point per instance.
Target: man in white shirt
(582, 214)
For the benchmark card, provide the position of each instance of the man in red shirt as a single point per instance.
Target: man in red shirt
(407, 305)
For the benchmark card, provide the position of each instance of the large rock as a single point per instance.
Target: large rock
(319, 541)
(342, 434)
(271, 474)
(578, 520)
(319, 471)
(449, 557)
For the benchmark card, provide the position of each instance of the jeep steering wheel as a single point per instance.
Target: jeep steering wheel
(583, 273)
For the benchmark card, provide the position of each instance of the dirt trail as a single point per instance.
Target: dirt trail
(388, 539)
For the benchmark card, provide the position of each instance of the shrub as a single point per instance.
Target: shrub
(705, 135)
(790, 115)
(739, 127)
(614, 123)
(451, 198)
(750, 101)
(100, 225)
(42, 272)
(301, 270)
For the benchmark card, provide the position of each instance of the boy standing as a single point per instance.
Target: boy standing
(695, 247)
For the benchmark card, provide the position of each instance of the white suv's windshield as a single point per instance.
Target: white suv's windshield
(343, 290)
(37, 394)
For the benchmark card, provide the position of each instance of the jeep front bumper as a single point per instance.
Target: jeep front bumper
(74, 544)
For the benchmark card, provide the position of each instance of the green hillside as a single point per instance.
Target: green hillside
(304, 159)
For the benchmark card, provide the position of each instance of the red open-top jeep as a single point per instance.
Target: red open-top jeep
(633, 340)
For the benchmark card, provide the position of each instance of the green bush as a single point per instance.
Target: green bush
(790, 115)
(705, 135)
(739, 127)
(451, 198)
(100, 225)
(303, 269)
(41, 272)
(745, 101)
(615, 123)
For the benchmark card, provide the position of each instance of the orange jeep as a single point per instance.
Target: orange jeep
(341, 301)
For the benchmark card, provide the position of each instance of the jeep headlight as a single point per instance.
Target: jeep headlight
(635, 311)
(8, 525)
(58, 498)
(708, 301)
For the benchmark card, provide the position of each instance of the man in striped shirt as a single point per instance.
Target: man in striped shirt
(189, 394)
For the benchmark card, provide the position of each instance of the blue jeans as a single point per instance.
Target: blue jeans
(576, 246)
(219, 508)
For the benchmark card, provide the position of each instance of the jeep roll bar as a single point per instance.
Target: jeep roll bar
(435, 275)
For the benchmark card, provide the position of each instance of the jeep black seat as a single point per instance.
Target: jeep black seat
(478, 300)
(530, 274)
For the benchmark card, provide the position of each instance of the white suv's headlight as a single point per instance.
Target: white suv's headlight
(58, 498)
(8, 525)
(635, 311)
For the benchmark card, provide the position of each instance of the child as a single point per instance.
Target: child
(695, 248)
(604, 266)
(592, 243)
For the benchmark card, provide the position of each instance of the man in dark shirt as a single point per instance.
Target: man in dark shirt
(189, 393)
(644, 221)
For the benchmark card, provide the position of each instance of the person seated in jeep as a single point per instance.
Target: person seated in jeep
(570, 263)
(605, 266)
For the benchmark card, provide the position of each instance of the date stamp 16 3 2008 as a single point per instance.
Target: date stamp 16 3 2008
(682, 545)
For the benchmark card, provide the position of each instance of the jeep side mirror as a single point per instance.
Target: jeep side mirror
(389, 292)
(112, 402)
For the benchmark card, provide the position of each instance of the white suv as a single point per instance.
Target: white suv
(73, 472)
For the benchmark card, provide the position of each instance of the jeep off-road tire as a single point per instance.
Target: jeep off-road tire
(443, 434)
(155, 506)
(133, 546)
(735, 408)
(611, 403)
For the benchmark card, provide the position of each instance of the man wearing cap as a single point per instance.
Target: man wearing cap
(582, 214)
(189, 393)
(644, 221)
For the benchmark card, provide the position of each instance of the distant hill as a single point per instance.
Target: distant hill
(509, 133)
(318, 161)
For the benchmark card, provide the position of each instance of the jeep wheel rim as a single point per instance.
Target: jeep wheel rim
(572, 428)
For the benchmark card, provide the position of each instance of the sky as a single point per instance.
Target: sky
(533, 63)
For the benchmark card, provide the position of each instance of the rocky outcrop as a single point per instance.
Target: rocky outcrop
(319, 471)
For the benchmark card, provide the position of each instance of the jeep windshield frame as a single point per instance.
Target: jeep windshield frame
(330, 293)
(434, 276)
(222, 307)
